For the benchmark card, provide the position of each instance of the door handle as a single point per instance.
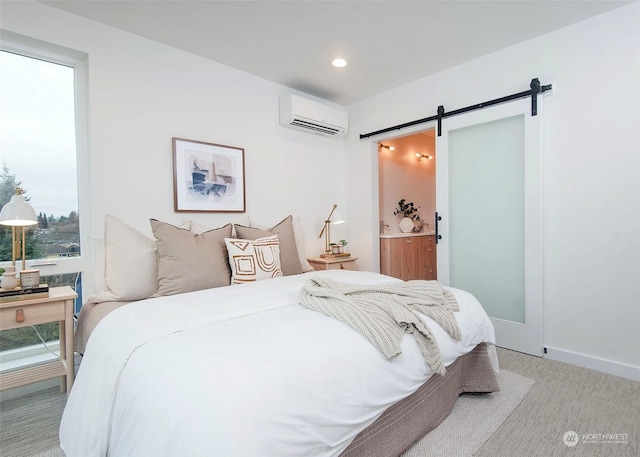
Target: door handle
(438, 237)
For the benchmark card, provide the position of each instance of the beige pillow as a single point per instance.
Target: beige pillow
(197, 227)
(288, 249)
(254, 260)
(130, 266)
(299, 237)
(188, 261)
(125, 263)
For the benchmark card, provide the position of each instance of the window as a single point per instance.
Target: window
(43, 150)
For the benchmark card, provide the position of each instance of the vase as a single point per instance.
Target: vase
(9, 280)
(406, 225)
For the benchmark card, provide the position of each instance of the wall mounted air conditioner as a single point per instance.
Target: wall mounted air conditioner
(313, 117)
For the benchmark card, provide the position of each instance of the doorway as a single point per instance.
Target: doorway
(406, 172)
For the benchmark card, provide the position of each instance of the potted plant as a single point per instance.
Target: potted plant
(338, 248)
(409, 213)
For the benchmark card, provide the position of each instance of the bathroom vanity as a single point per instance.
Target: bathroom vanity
(408, 255)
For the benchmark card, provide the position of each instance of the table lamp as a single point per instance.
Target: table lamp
(326, 229)
(18, 214)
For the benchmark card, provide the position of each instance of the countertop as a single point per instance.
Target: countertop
(410, 234)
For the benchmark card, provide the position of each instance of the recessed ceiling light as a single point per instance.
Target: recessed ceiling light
(339, 63)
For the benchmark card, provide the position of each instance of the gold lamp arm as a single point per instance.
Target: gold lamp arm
(18, 245)
(14, 247)
(23, 244)
(326, 229)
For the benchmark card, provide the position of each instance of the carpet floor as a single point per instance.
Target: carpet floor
(567, 398)
(473, 420)
(29, 424)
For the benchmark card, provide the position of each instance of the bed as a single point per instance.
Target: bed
(245, 370)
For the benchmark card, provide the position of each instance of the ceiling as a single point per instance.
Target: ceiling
(387, 43)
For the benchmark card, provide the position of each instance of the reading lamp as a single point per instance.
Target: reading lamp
(18, 214)
(326, 229)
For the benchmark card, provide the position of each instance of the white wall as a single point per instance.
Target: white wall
(143, 93)
(591, 172)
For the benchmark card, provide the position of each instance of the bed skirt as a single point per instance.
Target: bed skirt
(407, 421)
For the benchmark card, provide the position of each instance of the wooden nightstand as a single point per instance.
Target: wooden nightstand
(318, 263)
(58, 306)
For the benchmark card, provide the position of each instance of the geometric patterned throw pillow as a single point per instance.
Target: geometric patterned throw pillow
(254, 260)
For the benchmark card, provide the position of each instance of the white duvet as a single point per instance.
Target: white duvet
(242, 371)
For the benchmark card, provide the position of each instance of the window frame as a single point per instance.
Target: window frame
(30, 47)
(33, 48)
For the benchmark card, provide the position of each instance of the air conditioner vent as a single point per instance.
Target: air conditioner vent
(316, 127)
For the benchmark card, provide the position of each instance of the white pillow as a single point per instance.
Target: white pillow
(254, 260)
(97, 246)
(299, 236)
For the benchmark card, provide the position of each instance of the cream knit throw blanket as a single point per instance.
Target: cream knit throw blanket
(383, 313)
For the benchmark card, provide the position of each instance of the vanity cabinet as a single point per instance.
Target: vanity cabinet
(408, 257)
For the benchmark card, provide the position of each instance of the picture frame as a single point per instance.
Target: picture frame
(207, 177)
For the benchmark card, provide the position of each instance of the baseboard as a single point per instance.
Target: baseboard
(594, 363)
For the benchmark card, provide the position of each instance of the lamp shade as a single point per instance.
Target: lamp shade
(337, 217)
(18, 213)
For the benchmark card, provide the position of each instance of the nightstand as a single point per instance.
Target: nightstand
(319, 263)
(58, 306)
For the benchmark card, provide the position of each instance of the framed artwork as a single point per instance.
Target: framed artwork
(207, 177)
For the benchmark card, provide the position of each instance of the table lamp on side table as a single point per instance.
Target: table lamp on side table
(18, 214)
(326, 229)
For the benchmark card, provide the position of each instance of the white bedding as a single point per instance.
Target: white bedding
(242, 371)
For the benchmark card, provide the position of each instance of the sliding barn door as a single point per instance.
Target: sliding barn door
(488, 180)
